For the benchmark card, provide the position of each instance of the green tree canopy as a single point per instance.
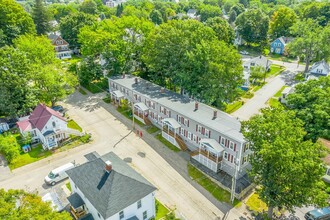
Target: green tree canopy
(9, 147)
(14, 21)
(318, 11)
(311, 102)
(186, 54)
(281, 22)
(287, 168)
(71, 25)
(89, 7)
(60, 10)
(209, 11)
(41, 17)
(156, 17)
(309, 43)
(222, 29)
(20, 205)
(238, 8)
(232, 16)
(253, 25)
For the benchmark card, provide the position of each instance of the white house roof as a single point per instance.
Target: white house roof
(172, 122)
(118, 94)
(287, 90)
(141, 106)
(213, 144)
(321, 64)
(223, 123)
(259, 61)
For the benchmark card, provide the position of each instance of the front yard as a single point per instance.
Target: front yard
(97, 86)
(231, 107)
(73, 125)
(255, 204)
(275, 70)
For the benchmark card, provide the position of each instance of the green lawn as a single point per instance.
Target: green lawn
(275, 70)
(161, 210)
(248, 95)
(218, 193)
(34, 155)
(152, 129)
(82, 91)
(127, 112)
(255, 204)
(281, 58)
(279, 92)
(97, 86)
(72, 124)
(68, 186)
(230, 108)
(107, 99)
(166, 143)
(274, 103)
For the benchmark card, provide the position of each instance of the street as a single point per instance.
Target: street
(173, 190)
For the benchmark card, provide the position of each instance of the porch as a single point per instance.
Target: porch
(209, 153)
(50, 140)
(77, 206)
(141, 112)
(116, 97)
(170, 131)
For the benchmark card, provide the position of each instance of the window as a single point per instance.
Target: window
(182, 132)
(161, 109)
(145, 215)
(189, 135)
(225, 155)
(139, 204)
(222, 141)
(199, 129)
(206, 134)
(231, 146)
(54, 124)
(186, 122)
(194, 137)
(121, 214)
(252, 64)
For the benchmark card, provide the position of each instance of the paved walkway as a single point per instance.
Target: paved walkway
(4, 169)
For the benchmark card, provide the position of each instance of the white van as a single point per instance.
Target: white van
(58, 174)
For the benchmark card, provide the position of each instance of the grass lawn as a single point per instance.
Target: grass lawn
(68, 186)
(82, 91)
(279, 92)
(257, 87)
(107, 99)
(255, 204)
(34, 155)
(152, 129)
(230, 108)
(248, 95)
(275, 70)
(218, 193)
(161, 210)
(274, 103)
(127, 112)
(166, 143)
(97, 86)
(72, 124)
(281, 58)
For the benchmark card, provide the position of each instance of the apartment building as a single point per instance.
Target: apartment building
(213, 137)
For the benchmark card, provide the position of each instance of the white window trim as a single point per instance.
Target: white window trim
(225, 155)
(223, 141)
(182, 132)
(189, 135)
(194, 137)
(206, 133)
(231, 145)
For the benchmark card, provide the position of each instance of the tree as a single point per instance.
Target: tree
(244, 2)
(253, 25)
(41, 17)
(258, 73)
(222, 29)
(9, 147)
(71, 25)
(309, 43)
(17, 204)
(89, 71)
(120, 9)
(209, 11)
(238, 8)
(156, 17)
(16, 97)
(89, 7)
(287, 168)
(281, 22)
(232, 16)
(318, 11)
(14, 21)
(61, 10)
(311, 102)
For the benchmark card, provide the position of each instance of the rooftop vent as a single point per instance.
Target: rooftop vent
(108, 166)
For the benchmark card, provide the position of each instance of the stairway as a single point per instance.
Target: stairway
(147, 121)
(194, 153)
(181, 143)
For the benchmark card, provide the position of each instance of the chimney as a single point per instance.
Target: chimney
(136, 81)
(123, 75)
(215, 113)
(108, 166)
(162, 90)
(196, 106)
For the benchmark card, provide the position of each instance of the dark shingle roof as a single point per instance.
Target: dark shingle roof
(133, 218)
(92, 156)
(89, 216)
(75, 200)
(110, 192)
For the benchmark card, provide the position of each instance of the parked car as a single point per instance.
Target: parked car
(318, 214)
(58, 108)
(58, 174)
(244, 52)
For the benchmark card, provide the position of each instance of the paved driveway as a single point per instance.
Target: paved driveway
(173, 190)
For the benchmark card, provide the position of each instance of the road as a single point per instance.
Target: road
(252, 106)
(173, 190)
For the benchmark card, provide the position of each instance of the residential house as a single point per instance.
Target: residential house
(285, 93)
(114, 3)
(212, 136)
(106, 188)
(192, 13)
(254, 62)
(61, 46)
(318, 69)
(278, 45)
(4, 126)
(46, 126)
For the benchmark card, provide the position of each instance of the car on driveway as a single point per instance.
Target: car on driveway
(58, 108)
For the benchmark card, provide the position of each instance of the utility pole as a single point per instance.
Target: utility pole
(132, 103)
(233, 185)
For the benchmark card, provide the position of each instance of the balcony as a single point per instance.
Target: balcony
(205, 153)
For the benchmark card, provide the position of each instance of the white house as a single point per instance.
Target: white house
(318, 69)
(61, 46)
(3, 125)
(46, 126)
(106, 188)
(285, 93)
(254, 62)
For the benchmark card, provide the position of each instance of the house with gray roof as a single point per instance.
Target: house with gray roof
(251, 63)
(318, 69)
(106, 188)
(212, 136)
